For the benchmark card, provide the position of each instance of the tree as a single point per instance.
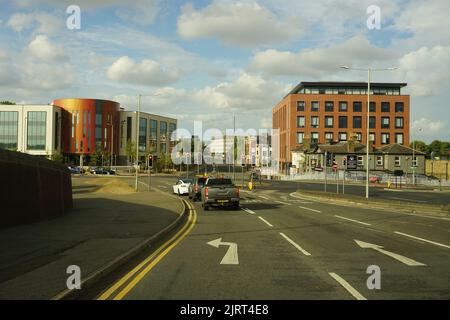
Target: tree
(419, 146)
(130, 150)
(437, 148)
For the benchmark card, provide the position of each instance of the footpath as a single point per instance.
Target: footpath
(109, 225)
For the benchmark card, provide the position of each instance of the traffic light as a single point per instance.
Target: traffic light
(150, 161)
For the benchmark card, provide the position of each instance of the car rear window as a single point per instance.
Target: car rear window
(201, 181)
(218, 182)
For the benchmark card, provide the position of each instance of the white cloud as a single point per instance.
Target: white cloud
(426, 125)
(240, 23)
(147, 72)
(319, 62)
(426, 69)
(43, 49)
(43, 22)
(20, 21)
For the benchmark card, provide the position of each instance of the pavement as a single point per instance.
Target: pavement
(109, 220)
(283, 247)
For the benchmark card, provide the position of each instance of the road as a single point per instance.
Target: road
(280, 247)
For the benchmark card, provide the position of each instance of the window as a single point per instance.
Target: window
(399, 138)
(163, 148)
(153, 135)
(314, 122)
(360, 161)
(129, 120)
(142, 134)
(372, 107)
(358, 136)
(328, 136)
(314, 106)
(162, 130)
(399, 107)
(342, 136)
(385, 107)
(329, 106)
(343, 106)
(172, 128)
(372, 137)
(36, 129)
(300, 106)
(385, 138)
(314, 137)
(399, 122)
(9, 125)
(379, 160)
(357, 106)
(329, 122)
(300, 122)
(372, 122)
(397, 161)
(415, 161)
(300, 136)
(357, 122)
(343, 122)
(385, 123)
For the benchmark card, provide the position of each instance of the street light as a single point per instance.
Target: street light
(369, 70)
(412, 161)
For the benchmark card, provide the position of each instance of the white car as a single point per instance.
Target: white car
(182, 186)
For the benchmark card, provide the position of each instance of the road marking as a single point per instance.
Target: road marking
(285, 203)
(360, 222)
(306, 253)
(265, 221)
(301, 201)
(314, 210)
(231, 257)
(421, 239)
(159, 254)
(406, 199)
(265, 198)
(402, 259)
(347, 286)
(248, 210)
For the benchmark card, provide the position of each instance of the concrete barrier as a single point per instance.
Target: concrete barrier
(32, 188)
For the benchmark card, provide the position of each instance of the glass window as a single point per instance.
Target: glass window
(343, 106)
(314, 122)
(385, 138)
(372, 107)
(36, 129)
(360, 161)
(300, 122)
(300, 106)
(399, 138)
(300, 136)
(329, 106)
(172, 128)
(328, 136)
(163, 130)
(342, 136)
(357, 106)
(9, 129)
(379, 160)
(385, 107)
(343, 122)
(397, 161)
(399, 122)
(314, 137)
(357, 122)
(385, 122)
(372, 122)
(163, 148)
(372, 137)
(415, 161)
(314, 106)
(329, 122)
(358, 136)
(399, 107)
(142, 134)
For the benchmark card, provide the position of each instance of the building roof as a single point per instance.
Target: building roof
(399, 149)
(342, 148)
(331, 84)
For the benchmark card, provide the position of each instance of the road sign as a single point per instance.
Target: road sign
(352, 162)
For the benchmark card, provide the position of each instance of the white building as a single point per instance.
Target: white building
(32, 129)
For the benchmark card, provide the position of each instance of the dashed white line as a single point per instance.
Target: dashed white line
(412, 200)
(347, 286)
(421, 239)
(314, 210)
(285, 203)
(306, 253)
(265, 198)
(356, 221)
(248, 211)
(265, 221)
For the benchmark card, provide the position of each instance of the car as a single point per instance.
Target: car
(182, 186)
(100, 170)
(75, 170)
(195, 188)
(220, 192)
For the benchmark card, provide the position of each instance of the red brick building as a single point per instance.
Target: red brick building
(321, 112)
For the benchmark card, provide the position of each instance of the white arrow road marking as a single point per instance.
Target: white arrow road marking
(314, 210)
(264, 197)
(265, 221)
(421, 239)
(347, 286)
(248, 210)
(285, 203)
(306, 253)
(360, 222)
(402, 259)
(231, 257)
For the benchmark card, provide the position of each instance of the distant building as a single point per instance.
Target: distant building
(325, 112)
(33, 129)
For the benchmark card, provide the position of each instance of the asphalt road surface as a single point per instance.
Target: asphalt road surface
(280, 247)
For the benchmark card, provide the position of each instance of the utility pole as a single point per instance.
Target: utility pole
(136, 188)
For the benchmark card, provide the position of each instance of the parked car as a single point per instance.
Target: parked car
(75, 170)
(182, 186)
(195, 188)
(100, 170)
(220, 192)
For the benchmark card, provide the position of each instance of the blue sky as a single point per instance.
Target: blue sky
(208, 60)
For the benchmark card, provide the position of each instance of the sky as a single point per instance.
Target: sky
(209, 60)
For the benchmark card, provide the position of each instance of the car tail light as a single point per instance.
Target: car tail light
(237, 192)
(206, 192)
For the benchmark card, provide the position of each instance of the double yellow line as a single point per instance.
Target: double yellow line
(132, 278)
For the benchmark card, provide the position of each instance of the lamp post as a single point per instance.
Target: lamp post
(369, 70)
(412, 161)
